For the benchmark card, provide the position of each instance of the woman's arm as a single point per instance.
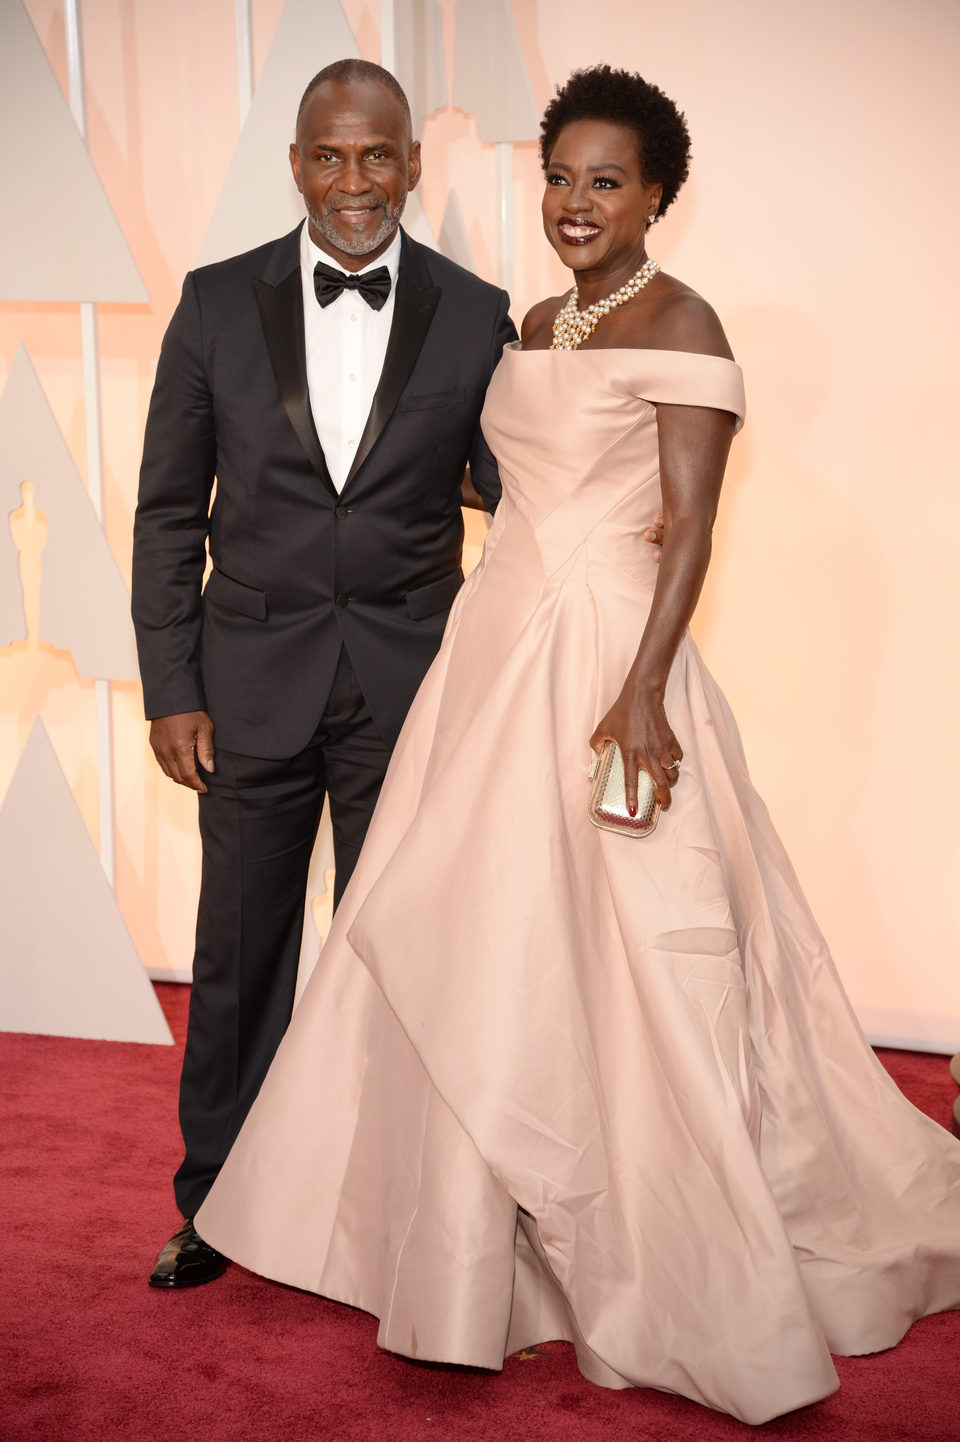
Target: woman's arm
(694, 442)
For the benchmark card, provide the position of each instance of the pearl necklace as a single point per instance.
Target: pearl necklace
(572, 326)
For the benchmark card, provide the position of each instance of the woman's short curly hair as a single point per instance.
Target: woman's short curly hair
(602, 93)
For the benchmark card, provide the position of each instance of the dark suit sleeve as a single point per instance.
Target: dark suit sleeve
(170, 530)
(483, 468)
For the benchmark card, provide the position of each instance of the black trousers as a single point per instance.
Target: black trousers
(258, 824)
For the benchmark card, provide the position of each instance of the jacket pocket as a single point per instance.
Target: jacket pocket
(235, 596)
(432, 400)
(437, 596)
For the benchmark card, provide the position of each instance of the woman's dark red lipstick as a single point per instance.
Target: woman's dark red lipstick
(577, 232)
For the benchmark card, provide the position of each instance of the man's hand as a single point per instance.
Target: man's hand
(174, 740)
(654, 534)
(470, 497)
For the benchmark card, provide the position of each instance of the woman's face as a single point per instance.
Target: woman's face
(596, 201)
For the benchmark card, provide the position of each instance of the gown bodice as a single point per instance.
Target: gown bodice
(575, 436)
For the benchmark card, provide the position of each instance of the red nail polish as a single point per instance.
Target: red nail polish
(632, 810)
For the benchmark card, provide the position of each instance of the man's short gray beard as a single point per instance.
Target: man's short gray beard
(389, 221)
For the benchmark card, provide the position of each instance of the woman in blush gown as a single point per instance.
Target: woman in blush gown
(553, 1082)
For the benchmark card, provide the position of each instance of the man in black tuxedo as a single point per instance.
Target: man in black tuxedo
(332, 382)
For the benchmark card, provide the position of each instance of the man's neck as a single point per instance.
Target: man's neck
(352, 263)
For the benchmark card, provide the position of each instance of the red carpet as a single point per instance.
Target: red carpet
(88, 1351)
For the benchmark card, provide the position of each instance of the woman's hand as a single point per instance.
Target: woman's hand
(640, 728)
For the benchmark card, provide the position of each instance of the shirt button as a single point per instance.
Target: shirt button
(354, 317)
(351, 377)
(341, 513)
(351, 443)
(343, 600)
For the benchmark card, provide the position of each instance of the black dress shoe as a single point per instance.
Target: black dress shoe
(187, 1260)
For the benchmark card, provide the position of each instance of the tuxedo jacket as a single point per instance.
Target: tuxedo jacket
(297, 568)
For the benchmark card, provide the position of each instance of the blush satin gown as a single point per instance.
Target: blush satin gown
(550, 1082)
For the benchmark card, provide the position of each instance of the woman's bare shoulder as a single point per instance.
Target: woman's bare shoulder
(537, 328)
(680, 319)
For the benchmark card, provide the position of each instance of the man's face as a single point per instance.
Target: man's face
(354, 162)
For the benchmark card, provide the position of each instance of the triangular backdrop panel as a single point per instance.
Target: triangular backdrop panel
(490, 79)
(415, 223)
(84, 603)
(454, 241)
(421, 65)
(68, 966)
(310, 35)
(61, 239)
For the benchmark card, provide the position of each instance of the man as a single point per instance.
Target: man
(332, 381)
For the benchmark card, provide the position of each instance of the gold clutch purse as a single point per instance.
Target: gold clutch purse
(607, 807)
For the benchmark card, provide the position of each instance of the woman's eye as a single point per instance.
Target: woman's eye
(555, 179)
(606, 182)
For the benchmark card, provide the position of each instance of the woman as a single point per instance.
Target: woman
(549, 1081)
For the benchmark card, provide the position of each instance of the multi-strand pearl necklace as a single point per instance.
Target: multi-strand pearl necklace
(572, 326)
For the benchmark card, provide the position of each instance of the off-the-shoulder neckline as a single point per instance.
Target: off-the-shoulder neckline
(515, 347)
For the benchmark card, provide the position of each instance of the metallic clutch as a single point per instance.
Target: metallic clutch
(607, 807)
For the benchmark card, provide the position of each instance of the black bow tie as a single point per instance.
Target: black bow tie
(374, 287)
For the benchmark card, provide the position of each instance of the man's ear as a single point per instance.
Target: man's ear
(295, 165)
(413, 166)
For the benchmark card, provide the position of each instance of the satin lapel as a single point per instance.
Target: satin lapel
(281, 315)
(413, 311)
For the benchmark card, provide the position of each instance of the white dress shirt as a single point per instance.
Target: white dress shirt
(346, 343)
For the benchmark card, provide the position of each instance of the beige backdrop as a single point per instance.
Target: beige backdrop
(822, 222)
